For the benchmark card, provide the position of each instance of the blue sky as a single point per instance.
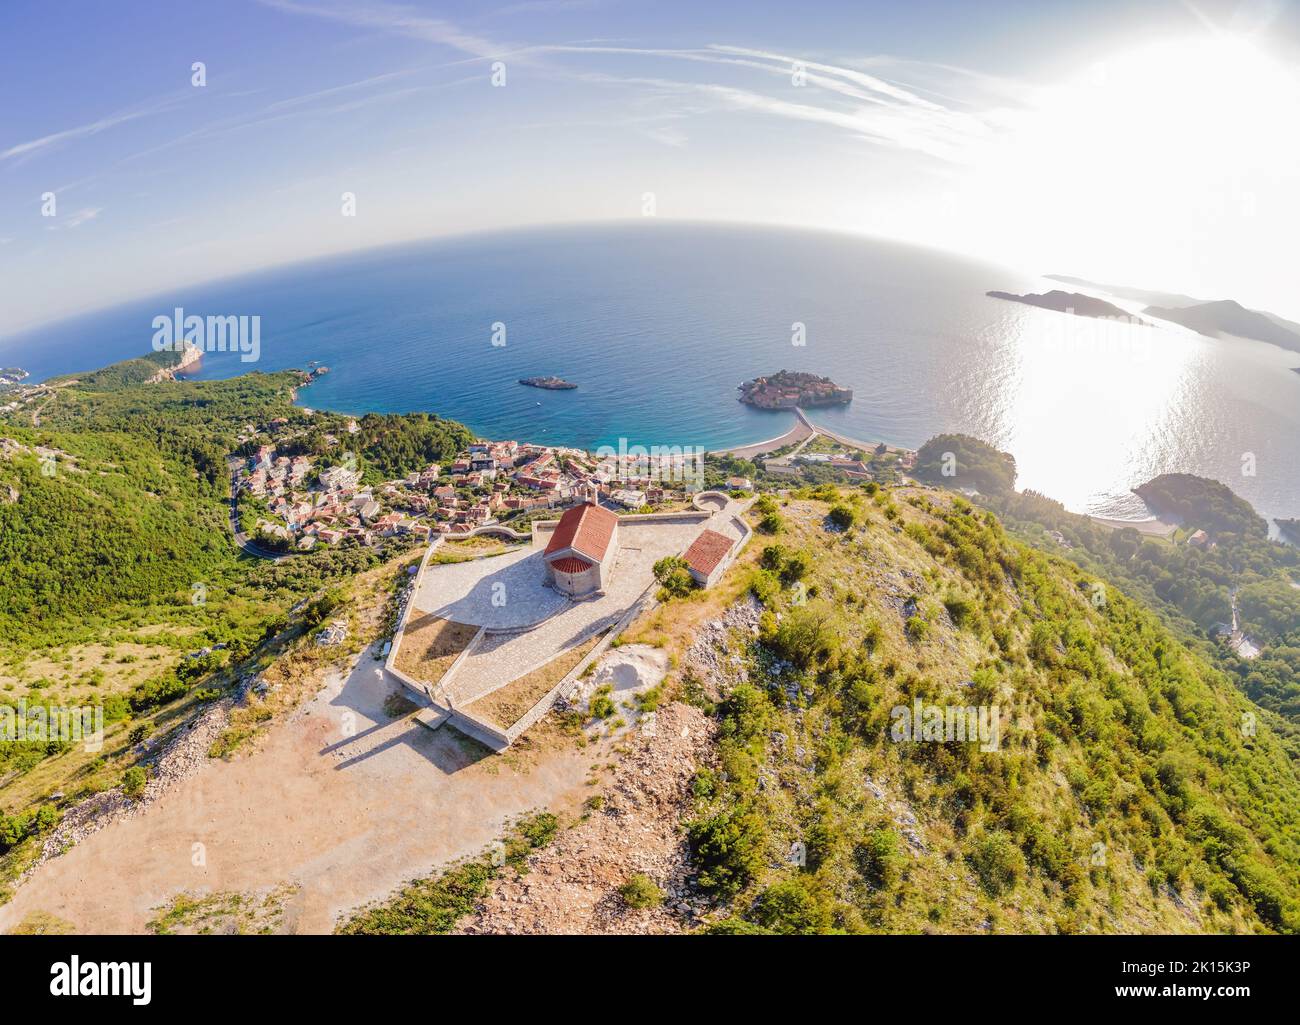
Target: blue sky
(1148, 143)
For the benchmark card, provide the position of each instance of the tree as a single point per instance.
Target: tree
(674, 576)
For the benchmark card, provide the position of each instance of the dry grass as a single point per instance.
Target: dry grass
(506, 706)
(430, 645)
(79, 673)
(472, 548)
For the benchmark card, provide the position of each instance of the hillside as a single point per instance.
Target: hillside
(1127, 786)
(959, 461)
(1123, 796)
(1066, 302)
(1204, 503)
(122, 587)
(1229, 317)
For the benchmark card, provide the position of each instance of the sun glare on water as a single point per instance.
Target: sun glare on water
(1137, 169)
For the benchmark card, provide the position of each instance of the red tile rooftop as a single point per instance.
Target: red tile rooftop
(586, 529)
(572, 564)
(706, 551)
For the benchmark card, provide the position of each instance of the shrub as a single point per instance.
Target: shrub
(842, 516)
(771, 523)
(674, 577)
(796, 567)
(640, 892)
(727, 849)
(773, 557)
(134, 780)
(996, 860)
(602, 705)
(879, 858)
(807, 634)
(791, 908)
(745, 713)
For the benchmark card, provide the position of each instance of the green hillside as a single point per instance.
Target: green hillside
(1132, 789)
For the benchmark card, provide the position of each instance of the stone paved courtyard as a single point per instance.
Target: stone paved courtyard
(463, 592)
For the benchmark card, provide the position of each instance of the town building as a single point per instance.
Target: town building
(707, 557)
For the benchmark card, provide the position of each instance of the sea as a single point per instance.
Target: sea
(659, 322)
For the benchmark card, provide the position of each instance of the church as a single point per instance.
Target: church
(580, 555)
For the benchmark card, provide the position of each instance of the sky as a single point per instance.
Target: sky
(1149, 144)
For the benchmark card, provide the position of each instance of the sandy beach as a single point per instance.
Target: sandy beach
(802, 429)
(793, 436)
(1152, 527)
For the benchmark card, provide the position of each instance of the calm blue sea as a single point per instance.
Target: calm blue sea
(658, 323)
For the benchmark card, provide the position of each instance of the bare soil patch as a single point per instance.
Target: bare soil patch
(430, 645)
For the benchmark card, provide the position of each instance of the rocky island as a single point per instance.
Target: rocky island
(789, 388)
(551, 383)
(1229, 317)
(1068, 302)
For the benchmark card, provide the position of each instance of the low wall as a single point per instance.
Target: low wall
(390, 664)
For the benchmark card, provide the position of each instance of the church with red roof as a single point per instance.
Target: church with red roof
(580, 555)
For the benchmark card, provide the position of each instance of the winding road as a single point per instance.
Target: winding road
(243, 540)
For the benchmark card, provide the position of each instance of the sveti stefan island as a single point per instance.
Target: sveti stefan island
(869, 571)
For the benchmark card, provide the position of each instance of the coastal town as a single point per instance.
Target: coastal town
(292, 502)
(295, 502)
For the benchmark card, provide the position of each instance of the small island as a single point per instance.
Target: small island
(551, 383)
(12, 375)
(1069, 302)
(790, 388)
(1290, 529)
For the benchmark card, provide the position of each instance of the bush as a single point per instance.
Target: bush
(842, 516)
(602, 705)
(996, 860)
(796, 567)
(773, 557)
(134, 780)
(807, 634)
(745, 713)
(879, 858)
(790, 908)
(771, 523)
(727, 849)
(640, 892)
(674, 577)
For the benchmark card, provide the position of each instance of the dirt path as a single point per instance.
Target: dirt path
(338, 799)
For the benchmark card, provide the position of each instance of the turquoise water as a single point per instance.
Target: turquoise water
(657, 323)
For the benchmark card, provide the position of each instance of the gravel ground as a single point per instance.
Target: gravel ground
(572, 885)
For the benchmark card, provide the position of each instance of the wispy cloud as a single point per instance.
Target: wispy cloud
(395, 18)
(836, 96)
(76, 219)
(103, 124)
